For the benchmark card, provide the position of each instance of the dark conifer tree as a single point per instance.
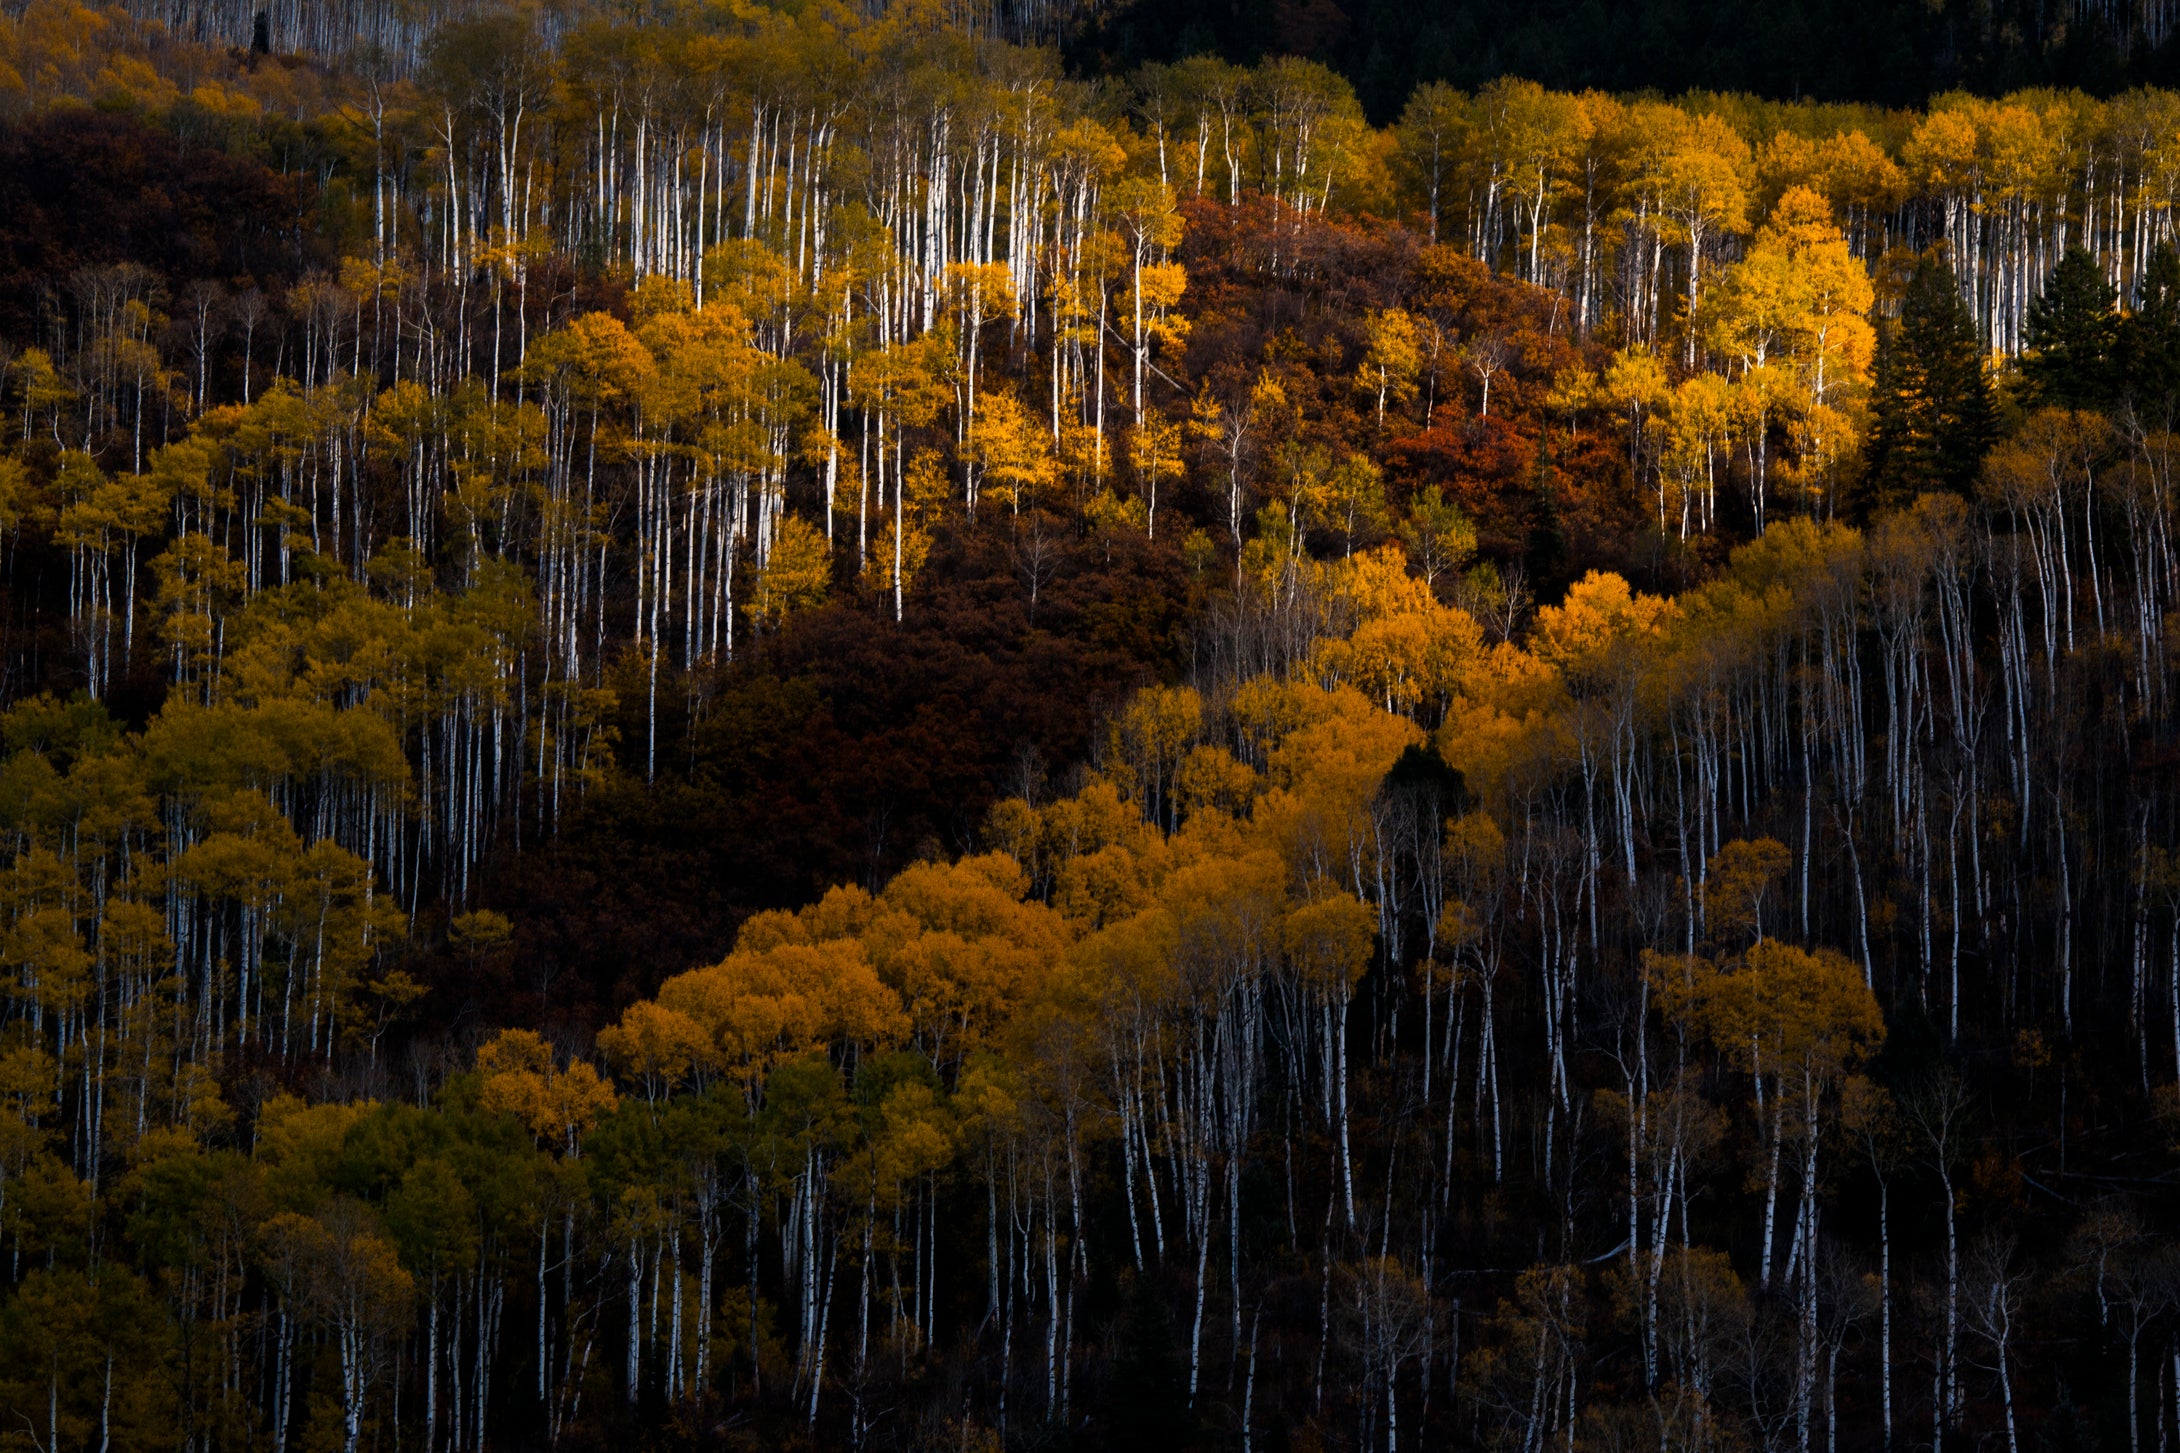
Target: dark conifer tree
(1932, 416)
(2073, 337)
(2149, 338)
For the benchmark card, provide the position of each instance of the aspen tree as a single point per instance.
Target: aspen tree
(1150, 228)
(1154, 450)
(1008, 453)
(346, 1277)
(1329, 942)
(1440, 538)
(1938, 1110)
(1701, 176)
(1230, 426)
(1393, 360)
(1537, 133)
(1431, 130)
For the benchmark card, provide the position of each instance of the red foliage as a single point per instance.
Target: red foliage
(1273, 292)
(1597, 516)
(1488, 466)
(88, 188)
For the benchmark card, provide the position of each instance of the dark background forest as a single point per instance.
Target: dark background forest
(1888, 52)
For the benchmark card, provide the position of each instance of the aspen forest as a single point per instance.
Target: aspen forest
(774, 724)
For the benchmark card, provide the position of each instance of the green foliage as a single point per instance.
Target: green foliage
(2073, 336)
(2147, 356)
(1932, 418)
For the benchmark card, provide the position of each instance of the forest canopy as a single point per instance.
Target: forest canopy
(769, 726)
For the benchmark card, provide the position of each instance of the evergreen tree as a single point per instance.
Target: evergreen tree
(1932, 420)
(2149, 337)
(2073, 337)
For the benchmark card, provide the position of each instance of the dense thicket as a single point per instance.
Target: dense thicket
(770, 728)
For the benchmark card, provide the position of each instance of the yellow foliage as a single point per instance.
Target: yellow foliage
(1742, 875)
(1599, 619)
(519, 1078)
(1009, 450)
(1784, 1011)
(797, 573)
(1330, 941)
(762, 1008)
(1210, 779)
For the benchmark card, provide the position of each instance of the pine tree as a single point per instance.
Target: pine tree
(1932, 420)
(2073, 336)
(2149, 337)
